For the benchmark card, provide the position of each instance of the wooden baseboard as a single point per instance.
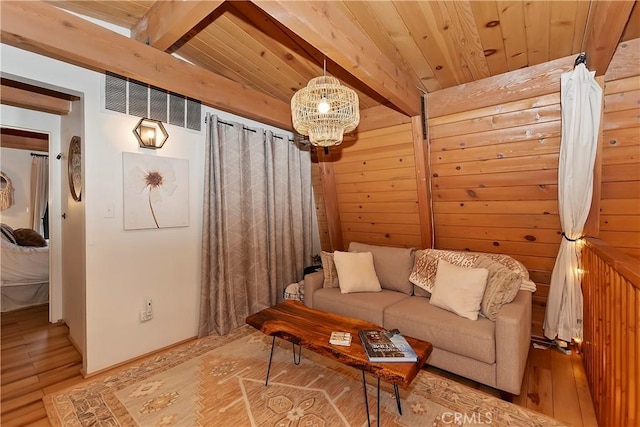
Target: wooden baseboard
(135, 359)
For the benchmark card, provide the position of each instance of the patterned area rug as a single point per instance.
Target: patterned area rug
(219, 381)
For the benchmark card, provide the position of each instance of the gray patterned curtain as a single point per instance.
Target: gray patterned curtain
(257, 223)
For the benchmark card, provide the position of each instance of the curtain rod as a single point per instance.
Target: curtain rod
(249, 129)
(39, 155)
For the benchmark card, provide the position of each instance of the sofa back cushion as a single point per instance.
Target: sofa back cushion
(393, 265)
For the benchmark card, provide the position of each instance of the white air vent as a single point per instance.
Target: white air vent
(141, 100)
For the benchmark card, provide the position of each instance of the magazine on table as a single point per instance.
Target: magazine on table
(386, 346)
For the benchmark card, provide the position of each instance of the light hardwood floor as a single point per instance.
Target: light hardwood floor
(38, 358)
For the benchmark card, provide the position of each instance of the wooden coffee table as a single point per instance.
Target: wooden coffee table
(311, 329)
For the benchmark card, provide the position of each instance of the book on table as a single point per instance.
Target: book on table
(386, 346)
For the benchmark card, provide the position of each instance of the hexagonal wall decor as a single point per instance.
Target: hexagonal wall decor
(150, 133)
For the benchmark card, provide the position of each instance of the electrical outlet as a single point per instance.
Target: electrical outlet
(147, 313)
(144, 316)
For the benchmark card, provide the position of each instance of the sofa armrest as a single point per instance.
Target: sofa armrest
(513, 337)
(312, 282)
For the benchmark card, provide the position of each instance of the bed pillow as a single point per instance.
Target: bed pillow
(356, 272)
(329, 270)
(459, 289)
(8, 234)
(29, 237)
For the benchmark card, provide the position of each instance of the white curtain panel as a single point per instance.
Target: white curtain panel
(39, 192)
(257, 223)
(581, 101)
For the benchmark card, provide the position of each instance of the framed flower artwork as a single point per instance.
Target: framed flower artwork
(156, 191)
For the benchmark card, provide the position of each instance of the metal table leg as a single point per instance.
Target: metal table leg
(297, 362)
(296, 358)
(378, 401)
(266, 382)
(366, 398)
(395, 389)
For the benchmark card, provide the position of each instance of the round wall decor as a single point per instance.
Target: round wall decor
(75, 169)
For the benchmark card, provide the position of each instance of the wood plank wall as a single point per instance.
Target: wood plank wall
(494, 183)
(376, 188)
(620, 199)
(611, 346)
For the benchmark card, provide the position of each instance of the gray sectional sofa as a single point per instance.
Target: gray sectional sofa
(490, 352)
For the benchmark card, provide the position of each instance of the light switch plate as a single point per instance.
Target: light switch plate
(108, 210)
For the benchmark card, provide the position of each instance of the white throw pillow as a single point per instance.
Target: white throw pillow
(356, 272)
(459, 289)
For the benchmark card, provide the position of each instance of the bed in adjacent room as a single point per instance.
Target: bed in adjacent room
(24, 277)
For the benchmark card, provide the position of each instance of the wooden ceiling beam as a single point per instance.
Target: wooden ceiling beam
(328, 29)
(33, 101)
(166, 22)
(30, 25)
(606, 23)
(23, 140)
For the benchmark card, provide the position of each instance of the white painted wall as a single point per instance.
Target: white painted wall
(16, 164)
(123, 268)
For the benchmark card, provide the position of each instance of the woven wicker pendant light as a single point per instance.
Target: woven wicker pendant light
(324, 110)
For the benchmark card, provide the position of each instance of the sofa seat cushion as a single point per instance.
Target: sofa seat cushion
(367, 306)
(416, 317)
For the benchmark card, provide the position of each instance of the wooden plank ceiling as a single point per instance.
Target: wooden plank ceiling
(389, 51)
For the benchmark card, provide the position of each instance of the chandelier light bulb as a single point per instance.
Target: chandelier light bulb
(324, 106)
(151, 134)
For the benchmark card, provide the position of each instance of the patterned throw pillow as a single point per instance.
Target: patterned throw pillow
(329, 269)
(426, 265)
(503, 285)
(8, 233)
(29, 237)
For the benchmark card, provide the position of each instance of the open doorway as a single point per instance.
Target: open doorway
(24, 204)
(57, 113)
(25, 132)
